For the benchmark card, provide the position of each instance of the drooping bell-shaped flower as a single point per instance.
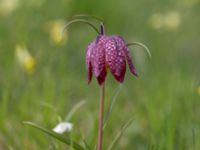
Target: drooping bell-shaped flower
(108, 53)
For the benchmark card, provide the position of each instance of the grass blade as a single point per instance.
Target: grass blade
(89, 16)
(120, 133)
(75, 109)
(59, 137)
(107, 116)
(87, 147)
(141, 45)
(82, 21)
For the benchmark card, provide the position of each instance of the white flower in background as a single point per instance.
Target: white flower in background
(8, 6)
(55, 29)
(63, 127)
(170, 20)
(26, 60)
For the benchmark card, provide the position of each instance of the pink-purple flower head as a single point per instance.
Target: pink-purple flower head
(108, 53)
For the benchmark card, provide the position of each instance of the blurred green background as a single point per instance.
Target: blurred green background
(42, 77)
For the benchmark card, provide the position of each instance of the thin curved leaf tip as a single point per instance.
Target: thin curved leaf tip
(141, 45)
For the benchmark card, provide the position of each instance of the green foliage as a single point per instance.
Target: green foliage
(164, 100)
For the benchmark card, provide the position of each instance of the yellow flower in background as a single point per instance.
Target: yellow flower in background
(198, 90)
(170, 20)
(55, 29)
(26, 61)
(156, 20)
(8, 6)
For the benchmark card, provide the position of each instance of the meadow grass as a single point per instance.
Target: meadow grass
(164, 100)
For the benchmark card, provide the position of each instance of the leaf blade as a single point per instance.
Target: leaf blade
(55, 135)
(75, 109)
(118, 136)
(108, 113)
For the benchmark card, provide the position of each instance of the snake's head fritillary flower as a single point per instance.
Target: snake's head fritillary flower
(108, 53)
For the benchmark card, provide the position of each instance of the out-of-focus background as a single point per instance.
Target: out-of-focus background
(42, 77)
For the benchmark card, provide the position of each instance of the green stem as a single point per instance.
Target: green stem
(101, 110)
(102, 29)
(82, 21)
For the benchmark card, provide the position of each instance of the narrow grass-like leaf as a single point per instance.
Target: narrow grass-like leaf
(107, 116)
(141, 45)
(151, 147)
(52, 146)
(87, 147)
(10, 147)
(51, 107)
(75, 109)
(89, 16)
(118, 136)
(47, 105)
(57, 136)
(82, 21)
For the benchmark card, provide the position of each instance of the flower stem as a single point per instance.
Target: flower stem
(101, 110)
(102, 29)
